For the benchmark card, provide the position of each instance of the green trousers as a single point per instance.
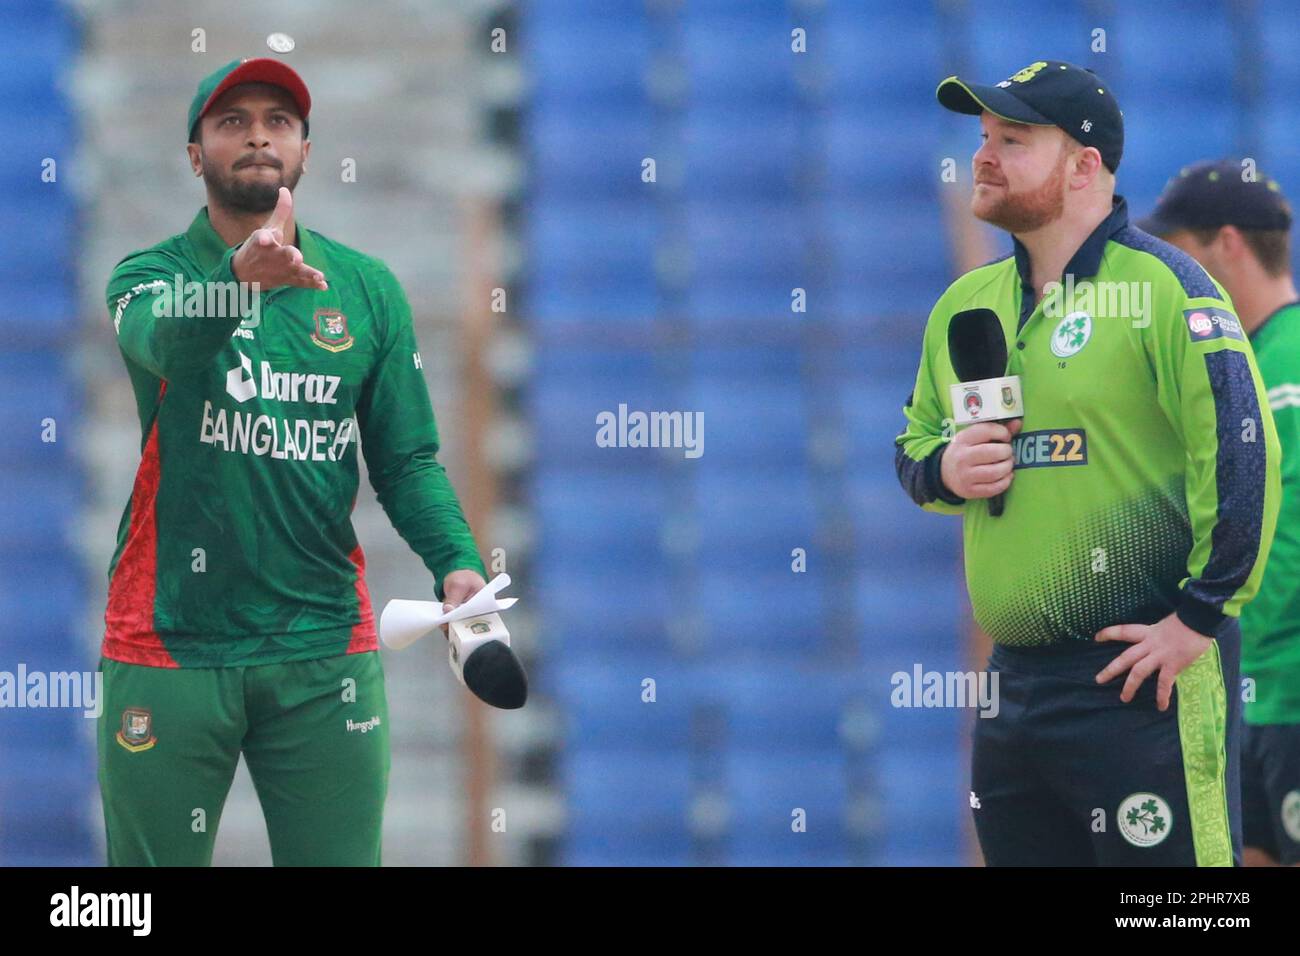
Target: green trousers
(313, 733)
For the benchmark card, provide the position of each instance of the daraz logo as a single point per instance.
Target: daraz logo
(1212, 323)
(241, 384)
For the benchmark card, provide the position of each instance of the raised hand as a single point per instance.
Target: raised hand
(265, 258)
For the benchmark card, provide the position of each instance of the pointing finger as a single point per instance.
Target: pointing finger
(283, 210)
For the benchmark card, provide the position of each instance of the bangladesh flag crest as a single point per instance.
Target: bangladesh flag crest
(331, 330)
(137, 730)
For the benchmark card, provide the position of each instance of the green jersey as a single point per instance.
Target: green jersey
(236, 546)
(1147, 476)
(1270, 625)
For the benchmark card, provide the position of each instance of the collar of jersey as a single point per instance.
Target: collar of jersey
(209, 247)
(1086, 261)
(1271, 316)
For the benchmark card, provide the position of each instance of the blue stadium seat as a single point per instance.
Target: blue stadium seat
(576, 241)
(586, 63)
(34, 386)
(751, 614)
(40, 312)
(996, 51)
(873, 416)
(41, 596)
(924, 798)
(747, 424)
(589, 609)
(569, 415)
(1150, 66)
(623, 795)
(629, 304)
(909, 615)
(1279, 149)
(755, 155)
(886, 521)
(584, 154)
(600, 513)
(40, 509)
(603, 705)
(1159, 140)
(744, 360)
(747, 241)
(742, 513)
(877, 52)
(37, 216)
(766, 791)
(46, 754)
(1278, 34)
(739, 57)
(776, 706)
(872, 276)
(45, 795)
(862, 154)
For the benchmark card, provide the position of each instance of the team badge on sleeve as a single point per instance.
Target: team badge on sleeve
(331, 330)
(137, 730)
(1208, 323)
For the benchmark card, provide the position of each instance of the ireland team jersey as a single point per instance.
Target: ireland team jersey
(1147, 471)
(1270, 625)
(237, 545)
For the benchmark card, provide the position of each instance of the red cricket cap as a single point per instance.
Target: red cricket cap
(249, 70)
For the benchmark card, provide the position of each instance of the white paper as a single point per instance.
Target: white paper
(404, 622)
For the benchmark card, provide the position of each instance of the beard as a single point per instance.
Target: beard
(244, 195)
(1025, 211)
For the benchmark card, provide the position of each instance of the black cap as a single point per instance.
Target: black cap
(1214, 193)
(1048, 93)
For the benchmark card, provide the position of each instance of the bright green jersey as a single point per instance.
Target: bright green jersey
(1147, 471)
(236, 546)
(1270, 625)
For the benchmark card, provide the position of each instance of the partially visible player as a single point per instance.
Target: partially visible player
(1236, 222)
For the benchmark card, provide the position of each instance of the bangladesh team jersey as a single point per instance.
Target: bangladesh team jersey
(236, 546)
(1270, 625)
(1147, 471)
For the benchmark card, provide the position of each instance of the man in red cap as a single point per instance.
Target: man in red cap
(238, 617)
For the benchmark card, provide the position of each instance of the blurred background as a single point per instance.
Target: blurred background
(729, 207)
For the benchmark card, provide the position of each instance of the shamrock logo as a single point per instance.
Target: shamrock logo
(1144, 819)
(1147, 814)
(1071, 334)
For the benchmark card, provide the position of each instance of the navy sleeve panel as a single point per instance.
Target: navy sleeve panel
(1195, 282)
(1240, 471)
(923, 479)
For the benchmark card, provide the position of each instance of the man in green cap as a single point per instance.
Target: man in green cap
(1236, 222)
(238, 616)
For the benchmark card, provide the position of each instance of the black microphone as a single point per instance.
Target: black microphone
(495, 676)
(977, 349)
